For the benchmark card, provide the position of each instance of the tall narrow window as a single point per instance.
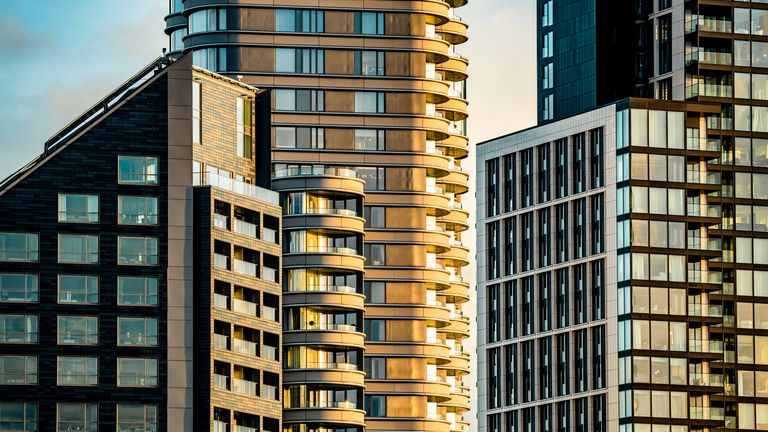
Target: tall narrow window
(546, 13)
(369, 102)
(561, 232)
(547, 77)
(529, 371)
(563, 304)
(580, 360)
(579, 228)
(528, 304)
(197, 131)
(597, 224)
(492, 187)
(545, 302)
(510, 172)
(580, 293)
(369, 23)
(598, 357)
(494, 313)
(244, 128)
(526, 177)
(544, 238)
(369, 63)
(598, 290)
(547, 47)
(510, 309)
(494, 250)
(664, 36)
(561, 167)
(579, 163)
(596, 154)
(510, 246)
(510, 372)
(545, 370)
(563, 365)
(543, 159)
(527, 239)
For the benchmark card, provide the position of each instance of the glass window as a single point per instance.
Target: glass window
(78, 330)
(369, 23)
(760, 151)
(376, 405)
(137, 331)
(639, 124)
(197, 102)
(676, 202)
(369, 139)
(137, 250)
(79, 289)
(760, 118)
(639, 199)
(18, 328)
(78, 208)
(137, 210)
(639, 166)
(743, 185)
(18, 288)
(376, 367)
(136, 372)
(741, 85)
(657, 198)
(742, 151)
(136, 291)
(641, 334)
(743, 114)
(759, 54)
(657, 167)
(760, 186)
(77, 371)
(136, 418)
(17, 370)
(18, 416)
(677, 234)
(370, 63)
(642, 403)
(78, 249)
(18, 247)
(137, 170)
(639, 233)
(677, 301)
(657, 129)
(376, 292)
(369, 102)
(375, 330)
(285, 60)
(759, 86)
(82, 417)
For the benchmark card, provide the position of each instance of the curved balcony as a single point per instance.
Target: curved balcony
(436, 204)
(437, 240)
(317, 178)
(456, 146)
(336, 219)
(435, 276)
(457, 3)
(457, 256)
(437, 350)
(455, 109)
(436, 390)
(335, 412)
(454, 31)
(455, 68)
(457, 293)
(436, 423)
(456, 182)
(328, 373)
(351, 300)
(436, 315)
(316, 336)
(435, 163)
(459, 400)
(457, 220)
(458, 327)
(174, 22)
(324, 257)
(458, 361)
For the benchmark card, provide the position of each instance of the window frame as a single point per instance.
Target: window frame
(147, 176)
(88, 214)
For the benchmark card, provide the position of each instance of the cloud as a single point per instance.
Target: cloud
(17, 40)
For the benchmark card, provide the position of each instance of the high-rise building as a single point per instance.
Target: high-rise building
(623, 256)
(140, 265)
(368, 114)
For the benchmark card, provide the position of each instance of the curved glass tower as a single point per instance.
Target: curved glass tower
(368, 132)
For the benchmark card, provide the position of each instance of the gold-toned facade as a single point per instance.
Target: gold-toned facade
(368, 136)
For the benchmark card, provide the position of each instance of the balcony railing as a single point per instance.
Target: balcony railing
(220, 301)
(703, 177)
(329, 327)
(269, 392)
(245, 307)
(220, 221)
(270, 235)
(269, 352)
(239, 428)
(318, 171)
(709, 57)
(240, 187)
(703, 144)
(220, 426)
(708, 24)
(325, 249)
(702, 310)
(269, 274)
(707, 413)
(220, 341)
(705, 276)
(330, 211)
(220, 381)
(246, 228)
(705, 379)
(246, 268)
(245, 387)
(220, 261)
(323, 288)
(245, 347)
(269, 313)
(704, 210)
(706, 346)
(709, 90)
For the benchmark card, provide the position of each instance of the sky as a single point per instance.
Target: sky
(55, 62)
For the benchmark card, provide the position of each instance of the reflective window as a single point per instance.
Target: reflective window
(137, 331)
(300, 60)
(17, 370)
(208, 20)
(82, 417)
(78, 330)
(137, 250)
(304, 21)
(369, 23)
(137, 170)
(78, 208)
(18, 416)
(18, 247)
(78, 249)
(137, 210)
(369, 102)
(369, 63)
(136, 418)
(18, 288)
(77, 371)
(214, 59)
(136, 291)
(299, 137)
(136, 372)
(81, 289)
(18, 328)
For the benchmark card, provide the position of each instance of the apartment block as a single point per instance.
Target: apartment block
(140, 265)
(368, 109)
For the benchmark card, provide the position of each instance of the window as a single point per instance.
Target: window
(374, 177)
(376, 367)
(177, 39)
(493, 313)
(369, 23)
(526, 177)
(82, 417)
(300, 60)
(18, 416)
(375, 292)
(375, 330)
(493, 250)
(547, 45)
(369, 63)
(494, 378)
(136, 291)
(137, 170)
(77, 371)
(197, 103)
(543, 162)
(376, 405)
(300, 100)
(137, 250)
(18, 247)
(18, 288)
(375, 254)
(664, 38)
(137, 331)
(492, 187)
(136, 418)
(375, 217)
(299, 137)
(369, 102)
(546, 14)
(244, 128)
(78, 330)
(370, 139)
(214, 59)
(136, 372)
(578, 166)
(137, 210)
(548, 109)
(304, 21)
(18, 328)
(78, 249)
(561, 168)
(78, 208)
(17, 370)
(78, 289)
(208, 20)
